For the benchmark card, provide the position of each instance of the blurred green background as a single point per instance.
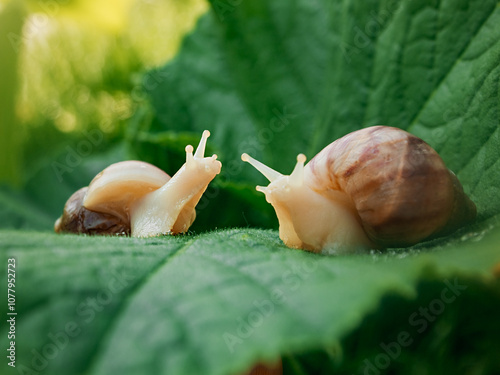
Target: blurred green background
(70, 70)
(69, 65)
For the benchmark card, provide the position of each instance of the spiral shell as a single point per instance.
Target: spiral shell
(400, 187)
(77, 219)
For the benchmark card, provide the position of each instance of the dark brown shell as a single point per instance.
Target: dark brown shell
(401, 188)
(77, 219)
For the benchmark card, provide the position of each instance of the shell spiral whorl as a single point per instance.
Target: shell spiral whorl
(401, 188)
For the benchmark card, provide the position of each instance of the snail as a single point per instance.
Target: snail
(138, 198)
(377, 187)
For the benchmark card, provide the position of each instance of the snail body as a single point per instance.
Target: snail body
(140, 198)
(376, 187)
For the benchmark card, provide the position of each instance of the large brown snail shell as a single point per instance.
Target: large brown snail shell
(401, 188)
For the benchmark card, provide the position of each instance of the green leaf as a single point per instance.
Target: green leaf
(213, 303)
(274, 79)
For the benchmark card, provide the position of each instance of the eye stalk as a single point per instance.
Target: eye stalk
(296, 178)
(200, 150)
(269, 173)
(189, 155)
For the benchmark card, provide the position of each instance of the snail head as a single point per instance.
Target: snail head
(203, 165)
(281, 187)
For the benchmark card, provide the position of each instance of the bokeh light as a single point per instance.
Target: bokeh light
(76, 63)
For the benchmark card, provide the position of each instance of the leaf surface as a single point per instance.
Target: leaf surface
(274, 79)
(212, 304)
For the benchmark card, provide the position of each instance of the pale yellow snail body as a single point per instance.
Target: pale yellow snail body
(138, 198)
(374, 188)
